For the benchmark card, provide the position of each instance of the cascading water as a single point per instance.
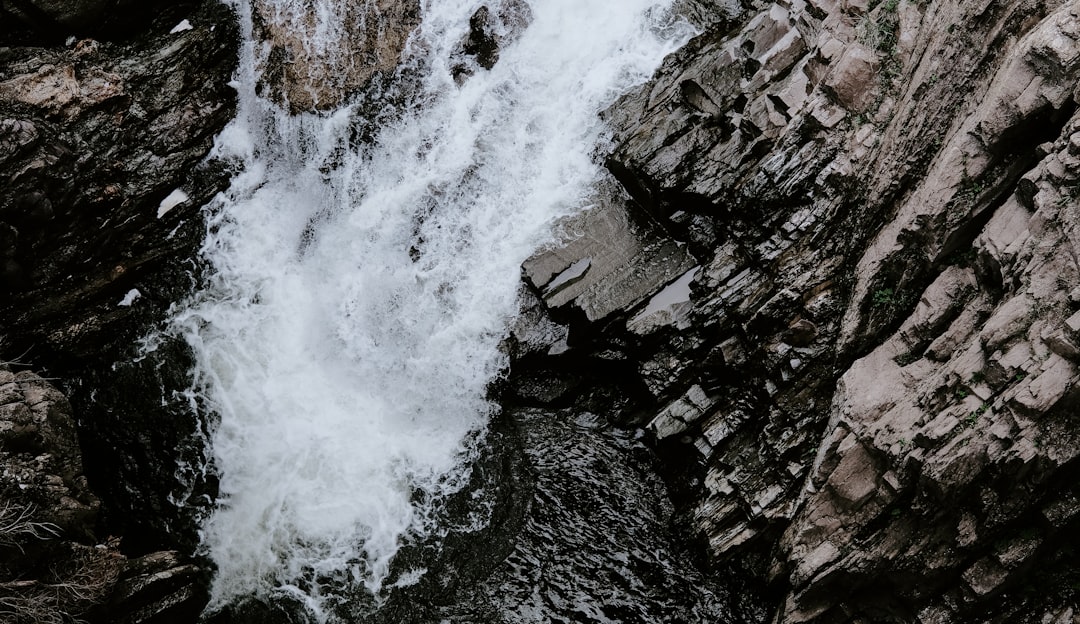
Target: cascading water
(356, 296)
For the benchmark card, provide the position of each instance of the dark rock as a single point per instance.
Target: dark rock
(92, 142)
(488, 32)
(93, 137)
(37, 21)
(158, 588)
(49, 563)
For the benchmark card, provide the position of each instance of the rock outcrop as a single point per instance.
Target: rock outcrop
(100, 147)
(55, 567)
(846, 310)
(27, 21)
(838, 290)
(101, 155)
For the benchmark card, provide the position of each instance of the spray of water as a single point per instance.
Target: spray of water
(356, 295)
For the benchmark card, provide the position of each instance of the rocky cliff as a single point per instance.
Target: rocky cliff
(836, 285)
(841, 295)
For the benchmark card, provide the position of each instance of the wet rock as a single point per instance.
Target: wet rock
(609, 263)
(42, 468)
(317, 60)
(52, 20)
(92, 138)
(488, 33)
(159, 587)
(47, 511)
(94, 135)
(54, 564)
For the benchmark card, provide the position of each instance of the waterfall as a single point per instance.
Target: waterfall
(357, 291)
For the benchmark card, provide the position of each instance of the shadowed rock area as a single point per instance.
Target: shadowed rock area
(101, 154)
(57, 565)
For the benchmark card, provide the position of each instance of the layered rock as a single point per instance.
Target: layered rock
(100, 147)
(859, 361)
(54, 20)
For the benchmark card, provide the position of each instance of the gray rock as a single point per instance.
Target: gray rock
(882, 207)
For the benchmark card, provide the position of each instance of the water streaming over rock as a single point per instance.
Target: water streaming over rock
(358, 290)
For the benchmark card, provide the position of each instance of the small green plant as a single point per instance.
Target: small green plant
(883, 298)
(973, 417)
(977, 377)
(908, 358)
(960, 393)
(970, 191)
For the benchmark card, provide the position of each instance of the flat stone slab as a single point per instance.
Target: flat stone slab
(608, 264)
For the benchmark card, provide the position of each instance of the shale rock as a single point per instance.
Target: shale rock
(101, 155)
(100, 151)
(867, 399)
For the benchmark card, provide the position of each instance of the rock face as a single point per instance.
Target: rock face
(101, 150)
(838, 290)
(857, 219)
(53, 566)
(317, 60)
(101, 156)
(25, 20)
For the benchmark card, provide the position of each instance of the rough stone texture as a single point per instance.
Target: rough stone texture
(101, 161)
(42, 464)
(53, 20)
(872, 403)
(53, 567)
(317, 59)
(93, 137)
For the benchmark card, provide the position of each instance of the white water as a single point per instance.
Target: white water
(346, 376)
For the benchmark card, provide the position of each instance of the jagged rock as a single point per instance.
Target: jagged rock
(47, 512)
(101, 150)
(877, 379)
(488, 33)
(56, 19)
(610, 263)
(53, 567)
(159, 587)
(93, 137)
(42, 463)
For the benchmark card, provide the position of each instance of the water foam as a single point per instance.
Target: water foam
(356, 297)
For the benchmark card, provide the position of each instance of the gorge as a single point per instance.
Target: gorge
(809, 355)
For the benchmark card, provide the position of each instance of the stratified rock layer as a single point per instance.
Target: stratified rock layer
(862, 373)
(101, 161)
(100, 147)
